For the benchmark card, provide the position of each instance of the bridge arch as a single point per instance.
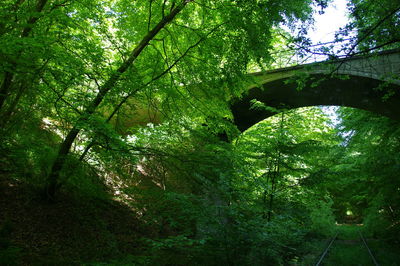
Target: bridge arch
(367, 83)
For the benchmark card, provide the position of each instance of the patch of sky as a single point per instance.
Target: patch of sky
(328, 23)
(326, 26)
(331, 112)
(325, 36)
(335, 121)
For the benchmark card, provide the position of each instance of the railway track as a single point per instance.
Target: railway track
(331, 243)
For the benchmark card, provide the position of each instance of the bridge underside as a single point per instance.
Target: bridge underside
(358, 92)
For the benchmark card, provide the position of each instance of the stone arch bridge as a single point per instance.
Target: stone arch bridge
(370, 82)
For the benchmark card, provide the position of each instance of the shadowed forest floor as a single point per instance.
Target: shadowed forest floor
(67, 232)
(75, 230)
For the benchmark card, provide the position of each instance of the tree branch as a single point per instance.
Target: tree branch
(349, 53)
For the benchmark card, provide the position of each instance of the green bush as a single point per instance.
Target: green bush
(322, 218)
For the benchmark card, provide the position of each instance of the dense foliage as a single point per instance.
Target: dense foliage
(116, 113)
(372, 149)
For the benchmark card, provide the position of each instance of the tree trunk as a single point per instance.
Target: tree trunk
(276, 170)
(53, 177)
(5, 117)
(32, 20)
(9, 76)
(52, 180)
(5, 87)
(271, 197)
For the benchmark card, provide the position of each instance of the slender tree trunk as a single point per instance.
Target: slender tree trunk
(5, 117)
(32, 20)
(52, 180)
(122, 102)
(53, 177)
(266, 191)
(271, 197)
(6, 86)
(276, 170)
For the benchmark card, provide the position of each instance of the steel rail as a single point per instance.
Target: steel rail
(369, 250)
(326, 250)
